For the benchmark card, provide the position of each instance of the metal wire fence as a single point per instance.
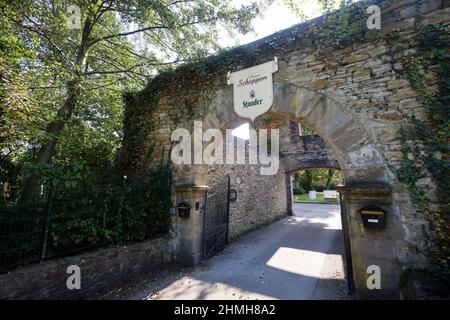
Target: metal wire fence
(64, 221)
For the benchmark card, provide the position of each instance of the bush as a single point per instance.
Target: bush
(86, 209)
(298, 191)
(111, 209)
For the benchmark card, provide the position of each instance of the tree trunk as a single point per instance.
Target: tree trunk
(309, 177)
(55, 128)
(330, 176)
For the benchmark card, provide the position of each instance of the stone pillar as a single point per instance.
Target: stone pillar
(191, 188)
(373, 247)
(289, 194)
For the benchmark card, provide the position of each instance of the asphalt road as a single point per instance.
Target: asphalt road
(299, 257)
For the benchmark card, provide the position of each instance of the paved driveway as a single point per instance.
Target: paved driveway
(299, 257)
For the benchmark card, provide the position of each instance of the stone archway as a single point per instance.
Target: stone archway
(354, 98)
(366, 174)
(358, 156)
(368, 179)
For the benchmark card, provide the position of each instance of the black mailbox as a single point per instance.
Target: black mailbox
(373, 217)
(184, 209)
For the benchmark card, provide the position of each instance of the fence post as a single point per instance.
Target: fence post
(48, 211)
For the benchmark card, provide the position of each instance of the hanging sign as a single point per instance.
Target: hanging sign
(253, 89)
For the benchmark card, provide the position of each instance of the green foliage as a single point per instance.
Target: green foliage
(426, 150)
(18, 114)
(105, 60)
(347, 24)
(318, 179)
(343, 21)
(296, 7)
(298, 191)
(118, 46)
(87, 208)
(306, 131)
(91, 209)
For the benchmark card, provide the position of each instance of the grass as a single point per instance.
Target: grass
(304, 198)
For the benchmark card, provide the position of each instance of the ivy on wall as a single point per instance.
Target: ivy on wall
(426, 149)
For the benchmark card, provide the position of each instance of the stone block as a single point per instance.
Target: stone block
(398, 66)
(390, 116)
(367, 155)
(380, 248)
(337, 81)
(361, 75)
(377, 70)
(355, 58)
(408, 104)
(383, 133)
(373, 63)
(310, 58)
(437, 17)
(377, 51)
(319, 84)
(398, 83)
(304, 101)
(390, 273)
(350, 139)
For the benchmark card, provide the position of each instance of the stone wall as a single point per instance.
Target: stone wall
(265, 198)
(100, 270)
(260, 200)
(305, 152)
(355, 97)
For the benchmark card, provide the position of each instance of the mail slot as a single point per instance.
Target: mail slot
(373, 217)
(184, 209)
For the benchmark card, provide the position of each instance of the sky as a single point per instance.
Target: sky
(242, 131)
(277, 17)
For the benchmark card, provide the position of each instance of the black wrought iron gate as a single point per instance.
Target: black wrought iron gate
(216, 215)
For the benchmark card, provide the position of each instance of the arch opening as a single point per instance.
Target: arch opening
(337, 132)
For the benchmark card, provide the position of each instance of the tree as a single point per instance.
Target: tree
(322, 6)
(311, 179)
(18, 114)
(329, 178)
(82, 50)
(298, 7)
